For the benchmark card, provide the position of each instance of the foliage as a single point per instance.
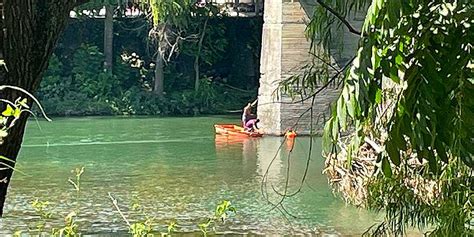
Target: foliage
(89, 76)
(407, 105)
(433, 110)
(214, 43)
(84, 88)
(70, 228)
(11, 114)
(77, 183)
(41, 209)
(221, 213)
(325, 25)
(171, 12)
(170, 19)
(146, 227)
(94, 6)
(139, 228)
(75, 83)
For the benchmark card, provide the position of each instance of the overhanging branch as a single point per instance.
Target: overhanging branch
(338, 16)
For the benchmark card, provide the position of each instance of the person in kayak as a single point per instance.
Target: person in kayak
(251, 125)
(247, 113)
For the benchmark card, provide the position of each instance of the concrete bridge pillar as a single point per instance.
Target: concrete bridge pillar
(285, 51)
(270, 67)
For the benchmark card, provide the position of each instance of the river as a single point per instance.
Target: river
(176, 169)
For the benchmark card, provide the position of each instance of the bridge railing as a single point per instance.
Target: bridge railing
(137, 8)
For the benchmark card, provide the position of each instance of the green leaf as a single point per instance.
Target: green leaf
(375, 59)
(341, 114)
(9, 111)
(386, 169)
(24, 103)
(393, 152)
(327, 141)
(335, 128)
(17, 113)
(378, 96)
(394, 75)
(433, 164)
(3, 133)
(351, 105)
(398, 59)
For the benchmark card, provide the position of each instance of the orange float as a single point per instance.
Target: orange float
(290, 134)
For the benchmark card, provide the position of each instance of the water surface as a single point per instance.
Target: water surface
(177, 169)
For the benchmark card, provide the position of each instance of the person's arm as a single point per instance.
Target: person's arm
(254, 103)
(247, 108)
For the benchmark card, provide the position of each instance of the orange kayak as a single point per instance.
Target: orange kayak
(234, 130)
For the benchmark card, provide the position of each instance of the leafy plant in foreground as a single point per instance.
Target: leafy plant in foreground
(223, 210)
(41, 209)
(407, 105)
(77, 183)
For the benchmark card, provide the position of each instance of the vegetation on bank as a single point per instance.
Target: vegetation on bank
(76, 83)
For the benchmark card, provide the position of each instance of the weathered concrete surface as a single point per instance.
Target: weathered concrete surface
(285, 50)
(270, 67)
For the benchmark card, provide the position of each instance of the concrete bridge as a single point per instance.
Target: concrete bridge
(285, 50)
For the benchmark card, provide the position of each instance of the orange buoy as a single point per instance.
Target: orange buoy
(290, 134)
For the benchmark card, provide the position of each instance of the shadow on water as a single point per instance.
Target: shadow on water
(177, 169)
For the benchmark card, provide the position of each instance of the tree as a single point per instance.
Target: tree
(31, 29)
(109, 37)
(170, 20)
(400, 138)
(208, 45)
(109, 6)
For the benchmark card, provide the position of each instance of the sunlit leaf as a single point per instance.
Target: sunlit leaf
(3, 133)
(9, 111)
(24, 103)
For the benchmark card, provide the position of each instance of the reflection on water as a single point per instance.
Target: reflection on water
(177, 169)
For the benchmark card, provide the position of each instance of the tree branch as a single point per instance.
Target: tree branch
(341, 18)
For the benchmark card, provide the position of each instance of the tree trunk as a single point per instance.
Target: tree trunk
(198, 54)
(31, 30)
(159, 74)
(257, 7)
(236, 4)
(109, 37)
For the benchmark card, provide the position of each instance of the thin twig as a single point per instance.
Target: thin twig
(263, 187)
(115, 202)
(285, 195)
(333, 78)
(30, 95)
(325, 62)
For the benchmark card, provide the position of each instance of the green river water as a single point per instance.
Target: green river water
(176, 168)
